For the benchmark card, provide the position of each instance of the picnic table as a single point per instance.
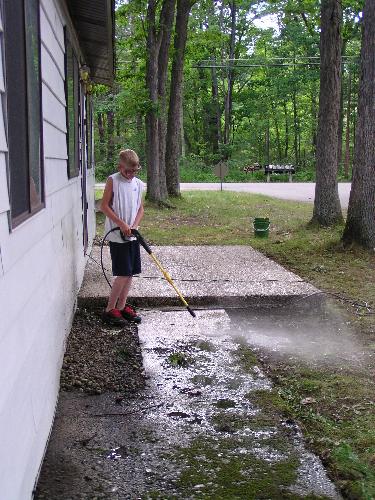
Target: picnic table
(279, 169)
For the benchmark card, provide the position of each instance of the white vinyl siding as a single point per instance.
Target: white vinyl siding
(41, 268)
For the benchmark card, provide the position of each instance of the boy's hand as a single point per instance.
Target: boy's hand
(125, 229)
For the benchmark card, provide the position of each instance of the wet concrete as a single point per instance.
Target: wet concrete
(201, 428)
(198, 430)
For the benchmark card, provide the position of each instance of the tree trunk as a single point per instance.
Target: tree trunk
(196, 123)
(110, 136)
(341, 113)
(286, 145)
(360, 223)
(152, 125)
(166, 24)
(347, 133)
(174, 114)
(206, 114)
(313, 120)
(182, 133)
(277, 129)
(341, 126)
(230, 76)
(217, 113)
(295, 126)
(267, 145)
(101, 132)
(327, 209)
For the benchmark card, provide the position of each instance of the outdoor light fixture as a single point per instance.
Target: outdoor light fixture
(84, 73)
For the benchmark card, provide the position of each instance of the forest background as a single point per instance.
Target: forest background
(250, 91)
(298, 90)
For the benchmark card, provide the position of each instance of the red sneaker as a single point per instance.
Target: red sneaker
(130, 314)
(114, 317)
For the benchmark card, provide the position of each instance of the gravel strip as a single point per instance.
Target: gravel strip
(101, 358)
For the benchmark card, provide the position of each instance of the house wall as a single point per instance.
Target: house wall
(41, 268)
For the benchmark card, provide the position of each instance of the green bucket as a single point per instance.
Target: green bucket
(261, 227)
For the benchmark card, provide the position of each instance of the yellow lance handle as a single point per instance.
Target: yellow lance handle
(164, 272)
(168, 278)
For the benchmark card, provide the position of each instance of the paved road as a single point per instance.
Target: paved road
(296, 191)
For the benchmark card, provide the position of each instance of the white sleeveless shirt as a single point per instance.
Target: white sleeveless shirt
(126, 201)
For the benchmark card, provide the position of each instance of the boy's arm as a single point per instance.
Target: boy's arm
(138, 217)
(105, 207)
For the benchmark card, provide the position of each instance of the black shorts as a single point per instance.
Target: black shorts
(126, 258)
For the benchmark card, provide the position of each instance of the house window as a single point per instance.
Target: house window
(24, 108)
(72, 108)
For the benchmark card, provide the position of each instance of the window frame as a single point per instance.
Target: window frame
(89, 131)
(73, 160)
(30, 208)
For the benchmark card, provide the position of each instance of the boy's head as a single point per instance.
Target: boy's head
(128, 163)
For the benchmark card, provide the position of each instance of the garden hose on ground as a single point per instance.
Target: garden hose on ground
(146, 246)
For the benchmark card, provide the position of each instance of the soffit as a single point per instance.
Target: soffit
(95, 25)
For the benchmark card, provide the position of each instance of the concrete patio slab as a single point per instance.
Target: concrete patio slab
(206, 275)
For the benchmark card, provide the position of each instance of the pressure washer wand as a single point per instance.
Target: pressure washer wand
(146, 246)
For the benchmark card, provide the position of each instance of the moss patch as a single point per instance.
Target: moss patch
(218, 471)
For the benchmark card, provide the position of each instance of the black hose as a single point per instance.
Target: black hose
(101, 253)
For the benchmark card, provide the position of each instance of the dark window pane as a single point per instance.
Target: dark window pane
(33, 99)
(76, 111)
(71, 88)
(16, 107)
(23, 96)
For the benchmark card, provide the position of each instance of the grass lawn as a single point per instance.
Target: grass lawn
(341, 426)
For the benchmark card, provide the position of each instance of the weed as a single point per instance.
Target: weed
(178, 359)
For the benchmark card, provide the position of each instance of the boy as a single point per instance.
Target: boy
(123, 207)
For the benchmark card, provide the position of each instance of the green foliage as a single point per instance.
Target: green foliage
(357, 477)
(275, 101)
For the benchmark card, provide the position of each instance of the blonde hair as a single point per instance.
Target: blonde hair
(129, 158)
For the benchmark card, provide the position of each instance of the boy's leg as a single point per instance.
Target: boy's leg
(126, 284)
(125, 263)
(119, 284)
(128, 312)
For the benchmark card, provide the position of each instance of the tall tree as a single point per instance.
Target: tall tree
(166, 20)
(360, 223)
(327, 209)
(158, 40)
(152, 125)
(175, 100)
(230, 77)
(347, 133)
